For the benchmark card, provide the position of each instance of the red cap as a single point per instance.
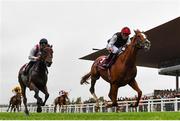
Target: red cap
(126, 30)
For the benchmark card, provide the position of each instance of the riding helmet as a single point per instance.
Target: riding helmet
(43, 40)
(126, 30)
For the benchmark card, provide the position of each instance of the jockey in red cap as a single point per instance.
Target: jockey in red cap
(115, 45)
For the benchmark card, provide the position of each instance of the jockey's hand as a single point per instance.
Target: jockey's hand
(123, 48)
(110, 49)
(37, 58)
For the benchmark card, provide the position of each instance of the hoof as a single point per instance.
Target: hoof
(39, 109)
(39, 101)
(97, 108)
(26, 113)
(43, 104)
(133, 105)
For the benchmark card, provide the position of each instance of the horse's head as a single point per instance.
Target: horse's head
(141, 40)
(66, 94)
(47, 55)
(19, 94)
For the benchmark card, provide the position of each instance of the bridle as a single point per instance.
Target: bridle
(141, 41)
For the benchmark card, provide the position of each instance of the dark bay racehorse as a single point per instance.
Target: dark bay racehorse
(37, 78)
(60, 101)
(122, 72)
(15, 102)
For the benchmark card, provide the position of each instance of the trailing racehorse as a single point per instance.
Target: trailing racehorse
(15, 102)
(122, 72)
(61, 100)
(36, 79)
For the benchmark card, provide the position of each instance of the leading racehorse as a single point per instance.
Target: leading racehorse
(37, 78)
(122, 72)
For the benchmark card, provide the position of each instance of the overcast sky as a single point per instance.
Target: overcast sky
(74, 27)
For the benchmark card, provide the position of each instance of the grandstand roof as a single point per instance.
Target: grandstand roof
(164, 52)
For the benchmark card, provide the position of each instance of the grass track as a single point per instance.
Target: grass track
(93, 116)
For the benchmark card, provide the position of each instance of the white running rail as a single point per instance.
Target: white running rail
(151, 105)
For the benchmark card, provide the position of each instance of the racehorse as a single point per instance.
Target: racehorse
(61, 100)
(122, 72)
(37, 78)
(15, 102)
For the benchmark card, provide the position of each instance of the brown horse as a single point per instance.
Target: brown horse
(122, 72)
(15, 102)
(61, 100)
(37, 78)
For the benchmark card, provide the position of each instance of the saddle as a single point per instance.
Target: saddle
(100, 62)
(105, 59)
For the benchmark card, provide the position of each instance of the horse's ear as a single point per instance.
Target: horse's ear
(138, 31)
(135, 31)
(51, 46)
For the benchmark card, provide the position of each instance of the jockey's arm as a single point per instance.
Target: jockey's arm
(32, 53)
(128, 41)
(111, 42)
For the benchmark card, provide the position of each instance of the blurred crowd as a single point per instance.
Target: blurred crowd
(157, 94)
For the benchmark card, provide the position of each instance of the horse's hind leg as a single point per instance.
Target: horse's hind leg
(135, 86)
(92, 90)
(45, 91)
(23, 87)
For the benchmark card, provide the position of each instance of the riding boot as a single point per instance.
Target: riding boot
(28, 67)
(110, 60)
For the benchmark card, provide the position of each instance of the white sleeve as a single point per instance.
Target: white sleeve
(128, 41)
(32, 53)
(112, 41)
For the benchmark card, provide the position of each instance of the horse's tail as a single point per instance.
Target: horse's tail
(85, 78)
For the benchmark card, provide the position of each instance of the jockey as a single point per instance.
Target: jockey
(35, 54)
(115, 45)
(16, 89)
(62, 92)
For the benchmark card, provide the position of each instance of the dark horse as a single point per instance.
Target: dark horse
(37, 78)
(122, 72)
(15, 102)
(61, 100)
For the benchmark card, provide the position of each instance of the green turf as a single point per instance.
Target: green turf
(93, 116)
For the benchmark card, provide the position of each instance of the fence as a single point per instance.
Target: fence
(151, 105)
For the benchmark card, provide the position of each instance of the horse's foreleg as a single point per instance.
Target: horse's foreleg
(92, 90)
(113, 94)
(45, 91)
(36, 95)
(15, 108)
(9, 107)
(135, 86)
(55, 108)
